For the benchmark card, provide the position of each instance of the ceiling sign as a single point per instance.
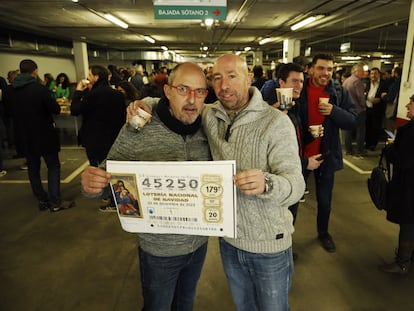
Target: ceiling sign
(345, 47)
(187, 9)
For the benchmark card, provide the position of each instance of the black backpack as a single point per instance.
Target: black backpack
(379, 180)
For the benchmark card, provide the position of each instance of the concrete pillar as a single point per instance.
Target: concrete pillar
(258, 58)
(81, 60)
(291, 49)
(407, 79)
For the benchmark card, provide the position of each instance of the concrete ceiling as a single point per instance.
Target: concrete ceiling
(370, 25)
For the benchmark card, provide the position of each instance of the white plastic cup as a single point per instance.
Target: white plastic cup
(314, 130)
(284, 98)
(139, 120)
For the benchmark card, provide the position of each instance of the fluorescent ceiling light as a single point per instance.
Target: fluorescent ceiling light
(164, 48)
(209, 22)
(247, 48)
(351, 57)
(116, 21)
(303, 23)
(238, 52)
(264, 41)
(149, 39)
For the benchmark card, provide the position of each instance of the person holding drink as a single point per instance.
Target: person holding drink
(290, 77)
(322, 104)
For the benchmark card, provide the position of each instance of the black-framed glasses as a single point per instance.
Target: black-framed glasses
(184, 90)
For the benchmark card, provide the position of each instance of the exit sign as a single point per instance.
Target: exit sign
(202, 9)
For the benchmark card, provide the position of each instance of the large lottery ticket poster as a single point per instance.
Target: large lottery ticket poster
(193, 197)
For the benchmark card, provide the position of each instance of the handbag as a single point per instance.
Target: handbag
(378, 182)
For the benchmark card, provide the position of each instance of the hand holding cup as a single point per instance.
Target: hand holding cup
(324, 107)
(82, 85)
(316, 130)
(138, 121)
(284, 98)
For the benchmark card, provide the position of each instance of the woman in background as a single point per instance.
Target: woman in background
(61, 89)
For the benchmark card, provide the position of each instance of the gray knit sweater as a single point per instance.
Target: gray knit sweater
(158, 143)
(260, 137)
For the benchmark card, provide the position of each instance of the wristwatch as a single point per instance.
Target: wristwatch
(268, 184)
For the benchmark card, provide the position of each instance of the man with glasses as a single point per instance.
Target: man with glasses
(170, 264)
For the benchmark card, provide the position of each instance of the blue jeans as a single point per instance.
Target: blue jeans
(258, 281)
(53, 177)
(169, 283)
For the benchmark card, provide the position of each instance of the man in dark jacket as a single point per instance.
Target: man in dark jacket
(32, 108)
(337, 112)
(400, 196)
(103, 111)
(104, 114)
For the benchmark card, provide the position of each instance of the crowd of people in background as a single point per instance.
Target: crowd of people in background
(375, 93)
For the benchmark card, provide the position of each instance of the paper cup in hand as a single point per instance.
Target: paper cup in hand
(284, 97)
(323, 100)
(139, 120)
(315, 129)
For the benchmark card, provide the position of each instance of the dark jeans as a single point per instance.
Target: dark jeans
(374, 124)
(53, 177)
(294, 210)
(169, 283)
(406, 232)
(324, 183)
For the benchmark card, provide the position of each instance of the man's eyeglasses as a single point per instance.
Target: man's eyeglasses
(186, 90)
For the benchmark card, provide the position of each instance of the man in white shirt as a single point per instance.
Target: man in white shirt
(375, 109)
